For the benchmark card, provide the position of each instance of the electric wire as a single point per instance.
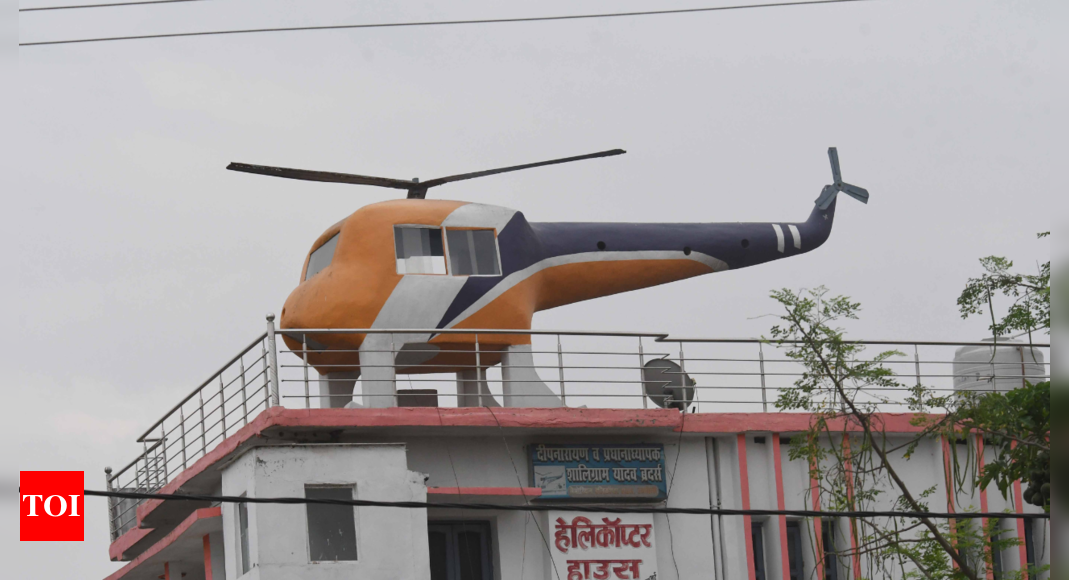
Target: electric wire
(442, 22)
(109, 5)
(585, 508)
(668, 491)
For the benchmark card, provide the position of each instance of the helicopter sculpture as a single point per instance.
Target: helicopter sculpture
(427, 265)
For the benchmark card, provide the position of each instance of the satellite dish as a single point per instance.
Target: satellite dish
(667, 385)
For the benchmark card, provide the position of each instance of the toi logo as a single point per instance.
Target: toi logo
(51, 506)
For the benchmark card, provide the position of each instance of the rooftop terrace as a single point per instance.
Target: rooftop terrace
(586, 370)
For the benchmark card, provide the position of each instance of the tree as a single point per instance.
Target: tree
(1018, 422)
(854, 460)
(849, 453)
(1029, 310)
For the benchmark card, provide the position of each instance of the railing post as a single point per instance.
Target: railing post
(560, 373)
(267, 377)
(917, 362)
(683, 379)
(478, 371)
(203, 425)
(304, 356)
(222, 405)
(182, 434)
(163, 452)
(642, 377)
(394, 351)
(761, 361)
(272, 363)
(137, 474)
(244, 397)
(112, 528)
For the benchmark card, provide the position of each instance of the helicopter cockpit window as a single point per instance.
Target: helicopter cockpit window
(473, 253)
(321, 257)
(419, 250)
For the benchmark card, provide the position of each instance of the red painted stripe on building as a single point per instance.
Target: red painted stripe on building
(504, 491)
(948, 475)
(207, 557)
(744, 491)
(126, 541)
(795, 423)
(777, 466)
(167, 540)
(818, 525)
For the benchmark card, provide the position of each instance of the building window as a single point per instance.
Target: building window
(418, 250)
(794, 551)
(244, 564)
(827, 539)
(473, 253)
(460, 551)
(331, 528)
(321, 257)
(1030, 545)
(757, 535)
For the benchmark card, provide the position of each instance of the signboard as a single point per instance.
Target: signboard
(599, 546)
(599, 471)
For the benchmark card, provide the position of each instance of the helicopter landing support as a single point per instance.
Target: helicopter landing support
(336, 389)
(520, 381)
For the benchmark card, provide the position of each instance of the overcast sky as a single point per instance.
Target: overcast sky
(135, 264)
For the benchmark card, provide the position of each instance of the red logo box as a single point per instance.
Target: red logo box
(52, 506)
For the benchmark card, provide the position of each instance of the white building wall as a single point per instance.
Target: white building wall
(684, 541)
(699, 469)
(391, 543)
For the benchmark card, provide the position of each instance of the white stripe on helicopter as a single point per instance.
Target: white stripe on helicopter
(779, 237)
(515, 278)
(796, 237)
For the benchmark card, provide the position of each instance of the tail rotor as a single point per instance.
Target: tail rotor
(827, 195)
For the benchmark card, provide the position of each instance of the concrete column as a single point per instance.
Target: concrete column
(377, 368)
(336, 389)
(522, 386)
(472, 390)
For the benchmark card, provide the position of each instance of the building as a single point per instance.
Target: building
(268, 425)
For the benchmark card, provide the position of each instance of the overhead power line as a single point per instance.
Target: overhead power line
(110, 5)
(441, 22)
(630, 509)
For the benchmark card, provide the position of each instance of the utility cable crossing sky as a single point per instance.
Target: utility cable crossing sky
(575, 508)
(441, 22)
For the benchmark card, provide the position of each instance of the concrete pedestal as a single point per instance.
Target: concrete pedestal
(472, 390)
(377, 368)
(336, 389)
(522, 386)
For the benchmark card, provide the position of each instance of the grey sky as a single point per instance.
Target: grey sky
(137, 265)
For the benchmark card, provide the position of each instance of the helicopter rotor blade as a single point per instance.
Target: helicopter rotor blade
(833, 156)
(463, 176)
(326, 176)
(859, 193)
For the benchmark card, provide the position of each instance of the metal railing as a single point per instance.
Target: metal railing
(222, 404)
(591, 369)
